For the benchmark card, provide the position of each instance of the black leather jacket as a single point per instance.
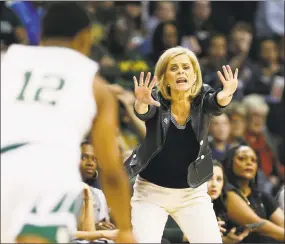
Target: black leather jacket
(157, 121)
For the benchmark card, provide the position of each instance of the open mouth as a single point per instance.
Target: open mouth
(181, 81)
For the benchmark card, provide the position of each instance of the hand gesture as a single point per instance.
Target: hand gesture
(104, 225)
(234, 238)
(230, 81)
(143, 89)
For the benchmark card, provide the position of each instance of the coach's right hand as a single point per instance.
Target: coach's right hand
(143, 90)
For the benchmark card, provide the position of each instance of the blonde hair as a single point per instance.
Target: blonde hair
(255, 102)
(161, 66)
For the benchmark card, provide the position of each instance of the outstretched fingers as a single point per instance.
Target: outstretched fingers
(221, 77)
(153, 82)
(230, 72)
(226, 74)
(147, 79)
(141, 78)
(135, 82)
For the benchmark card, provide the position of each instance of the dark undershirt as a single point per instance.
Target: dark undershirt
(169, 168)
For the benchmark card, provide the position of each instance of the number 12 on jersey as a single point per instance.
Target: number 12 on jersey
(40, 91)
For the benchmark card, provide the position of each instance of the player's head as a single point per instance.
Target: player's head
(67, 21)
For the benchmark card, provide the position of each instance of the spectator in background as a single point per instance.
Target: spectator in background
(260, 140)
(98, 28)
(220, 132)
(88, 165)
(12, 30)
(166, 35)
(89, 173)
(217, 192)
(245, 204)
(132, 11)
(131, 126)
(197, 27)
(30, 13)
(132, 129)
(164, 11)
(270, 18)
(129, 61)
(216, 57)
(239, 46)
(108, 66)
(106, 12)
(271, 80)
(236, 112)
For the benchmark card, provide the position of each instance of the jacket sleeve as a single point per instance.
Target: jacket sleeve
(210, 102)
(151, 110)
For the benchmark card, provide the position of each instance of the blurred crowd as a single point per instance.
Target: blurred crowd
(128, 37)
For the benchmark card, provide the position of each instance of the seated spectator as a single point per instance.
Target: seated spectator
(166, 35)
(164, 11)
(128, 60)
(88, 165)
(216, 190)
(89, 173)
(220, 132)
(132, 129)
(271, 80)
(108, 66)
(216, 57)
(236, 112)
(239, 47)
(260, 140)
(197, 27)
(245, 204)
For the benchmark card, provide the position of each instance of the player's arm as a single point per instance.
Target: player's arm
(114, 179)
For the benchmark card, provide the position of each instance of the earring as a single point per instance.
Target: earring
(96, 174)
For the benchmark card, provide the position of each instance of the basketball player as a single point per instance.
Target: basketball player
(49, 100)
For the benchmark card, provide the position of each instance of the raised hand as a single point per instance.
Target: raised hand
(230, 81)
(143, 89)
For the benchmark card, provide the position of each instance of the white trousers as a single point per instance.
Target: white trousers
(191, 208)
